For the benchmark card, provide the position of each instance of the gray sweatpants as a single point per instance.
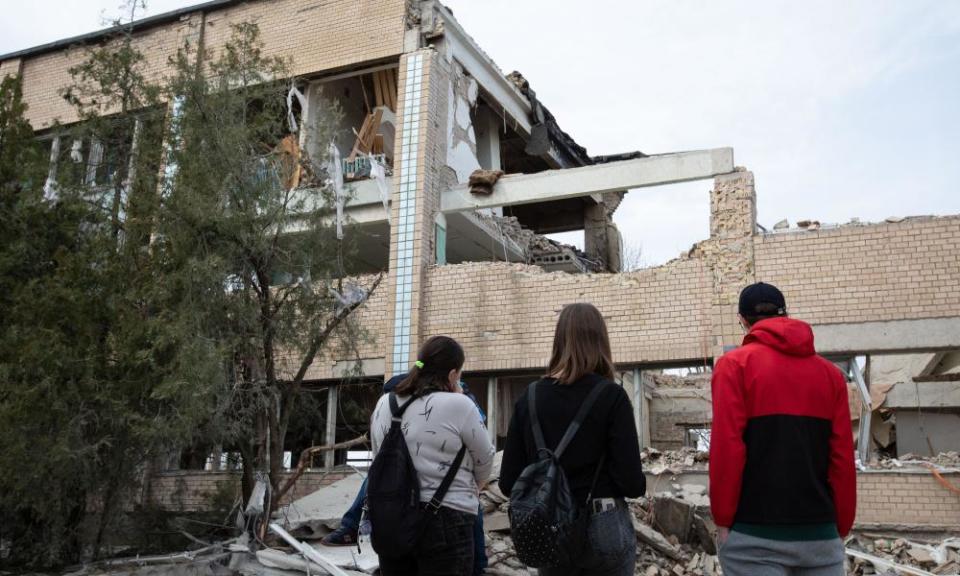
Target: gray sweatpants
(745, 555)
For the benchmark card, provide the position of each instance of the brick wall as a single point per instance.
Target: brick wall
(316, 34)
(889, 271)
(194, 490)
(370, 317)
(9, 68)
(907, 498)
(504, 314)
(46, 75)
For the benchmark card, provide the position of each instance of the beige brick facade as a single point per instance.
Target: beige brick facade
(316, 35)
(889, 271)
(913, 498)
(197, 490)
(504, 314)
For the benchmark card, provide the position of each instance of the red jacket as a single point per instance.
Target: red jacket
(781, 446)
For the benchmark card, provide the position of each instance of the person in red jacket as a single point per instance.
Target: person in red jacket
(782, 477)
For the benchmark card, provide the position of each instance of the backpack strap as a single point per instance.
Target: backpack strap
(596, 476)
(574, 426)
(532, 407)
(396, 411)
(437, 499)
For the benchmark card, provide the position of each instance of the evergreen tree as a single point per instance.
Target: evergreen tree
(94, 378)
(258, 259)
(144, 315)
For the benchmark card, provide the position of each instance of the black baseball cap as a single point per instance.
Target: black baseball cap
(761, 293)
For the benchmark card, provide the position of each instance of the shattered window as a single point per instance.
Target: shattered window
(698, 438)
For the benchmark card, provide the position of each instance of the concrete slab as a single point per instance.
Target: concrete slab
(325, 506)
(348, 558)
(927, 433)
(896, 336)
(924, 395)
(552, 185)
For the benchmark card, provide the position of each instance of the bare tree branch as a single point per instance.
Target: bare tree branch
(305, 457)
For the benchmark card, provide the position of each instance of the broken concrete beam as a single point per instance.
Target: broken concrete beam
(654, 539)
(308, 552)
(598, 179)
(913, 394)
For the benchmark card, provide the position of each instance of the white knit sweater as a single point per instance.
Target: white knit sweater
(435, 427)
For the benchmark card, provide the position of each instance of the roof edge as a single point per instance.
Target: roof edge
(138, 25)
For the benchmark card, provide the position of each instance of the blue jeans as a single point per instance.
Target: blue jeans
(351, 521)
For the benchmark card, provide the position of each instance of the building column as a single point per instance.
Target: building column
(424, 82)
(333, 398)
(641, 409)
(492, 415)
(406, 252)
(729, 253)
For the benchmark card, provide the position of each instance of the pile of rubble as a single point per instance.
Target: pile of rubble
(675, 535)
(657, 462)
(943, 460)
(876, 554)
(691, 380)
(539, 249)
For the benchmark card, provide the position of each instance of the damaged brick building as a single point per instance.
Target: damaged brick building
(423, 98)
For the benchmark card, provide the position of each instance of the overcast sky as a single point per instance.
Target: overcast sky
(841, 109)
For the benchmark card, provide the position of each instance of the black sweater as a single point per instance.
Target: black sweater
(609, 426)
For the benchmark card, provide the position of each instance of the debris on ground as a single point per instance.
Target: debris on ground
(877, 554)
(657, 462)
(691, 380)
(675, 535)
(943, 461)
(317, 514)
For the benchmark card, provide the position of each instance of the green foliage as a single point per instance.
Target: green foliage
(94, 377)
(259, 260)
(140, 316)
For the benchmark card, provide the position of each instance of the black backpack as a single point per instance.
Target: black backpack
(397, 517)
(548, 528)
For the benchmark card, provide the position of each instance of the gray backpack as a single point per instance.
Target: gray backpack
(548, 528)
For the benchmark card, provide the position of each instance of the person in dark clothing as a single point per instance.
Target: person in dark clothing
(581, 359)
(782, 476)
